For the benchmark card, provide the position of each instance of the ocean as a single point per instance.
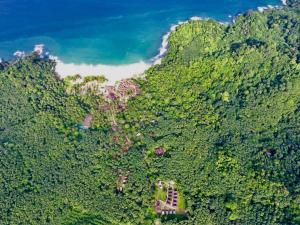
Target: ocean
(110, 32)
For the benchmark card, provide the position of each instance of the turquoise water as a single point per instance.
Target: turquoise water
(103, 31)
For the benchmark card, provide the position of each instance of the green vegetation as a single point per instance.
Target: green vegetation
(160, 194)
(293, 3)
(224, 103)
(181, 202)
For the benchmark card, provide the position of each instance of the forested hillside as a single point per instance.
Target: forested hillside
(220, 118)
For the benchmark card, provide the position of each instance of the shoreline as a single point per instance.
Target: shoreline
(115, 73)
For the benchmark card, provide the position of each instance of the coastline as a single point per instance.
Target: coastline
(114, 73)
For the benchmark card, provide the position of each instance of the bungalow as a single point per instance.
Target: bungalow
(125, 180)
(159, 151)
(158, 207)
(168, 202)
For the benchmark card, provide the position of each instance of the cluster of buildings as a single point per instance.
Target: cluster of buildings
(122, 181)
(170, 206)
(172, 199)
(120, 93)
(163, 211)
(124, 90)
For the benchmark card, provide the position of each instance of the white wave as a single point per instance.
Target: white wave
(164, 46)
(195, 18)
(20, 54)
(165, 40)
(115, 17)
(284, 2)
(262, 8)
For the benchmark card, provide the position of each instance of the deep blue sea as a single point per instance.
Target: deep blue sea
(103, 31)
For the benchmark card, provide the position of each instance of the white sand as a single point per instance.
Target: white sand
(111, 72)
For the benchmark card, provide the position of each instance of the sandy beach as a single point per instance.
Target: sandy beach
(111, 72)
(114, 73)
